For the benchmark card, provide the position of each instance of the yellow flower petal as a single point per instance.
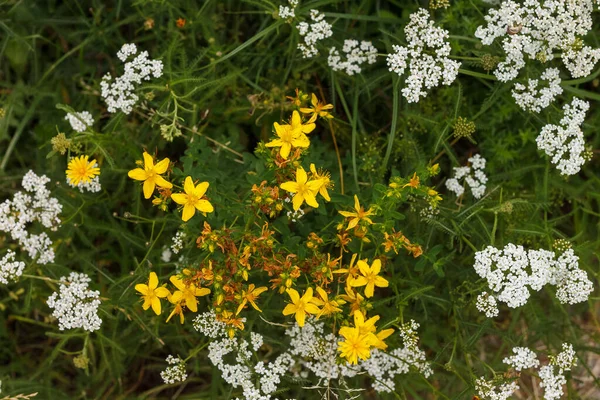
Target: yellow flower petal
(149, 186)
(162, 182)
(204, 206)
(143, 289)
(188, 185)
(156, 305)
(188, 212)
(148, 161)
(162, 166)
(138, 174)
(201, 189)
(179, 198)
(152, 281)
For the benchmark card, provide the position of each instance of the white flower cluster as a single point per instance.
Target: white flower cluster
(80, 121)
(317, 351)
(489, 391)
(176, 371)
(532, 99)
(310, 350)
(312, 33)
(10, 270)
(295, 215)
(565, 142)
(538, 29)
(383, 366)
(178, 242)
(487, 304)
(208, 325)
(120, 93)
(75, 305)
(355, 54)
(93, 186)
(552, 375)
(426, 57)
(286, 12)
(523, 359)
(240, 373)
(166, 255)
(257, 340)
(473, 175)
(552, 380)
(511, 272)
(26, 208)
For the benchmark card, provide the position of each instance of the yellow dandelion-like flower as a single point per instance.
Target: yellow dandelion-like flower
(80, 169)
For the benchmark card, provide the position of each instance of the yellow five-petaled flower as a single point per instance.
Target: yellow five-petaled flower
(369, 277)
(151, 293)
(192, 199)
(292, 135)
(318, 108)
(359, 215)
(328, 307)
(151, 174)
(303, 189)
(187, 293)
(300, 306)
(249, 296)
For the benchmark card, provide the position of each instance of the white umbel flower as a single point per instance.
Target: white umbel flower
(10, 270)
(489, 391)
(74, 305)
(425, 57)
(355, 54)
(536, 30)
(532, 99)
(523, 359)
(511, 272)
(486, 303)
(80, 121)
(34, 205)
(565, 143)
(120, 93)
(312, 33)
(175, 372)
(473, 175)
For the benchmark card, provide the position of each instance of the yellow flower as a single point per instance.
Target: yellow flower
(298, 126)
(187, 293)
(81, 170)
(192, 199)
(300, 306)
(303, 189)
(367, 326)
(370, 277)
(318, 108)
(327, 306)
(248, 296)
(324, 177)
(413, 182)
(380, 337)
(355, 345)
(354, 298)
(151, 293)
(151, 175)
(178, 309)
(291, 136)
(359, 215)
(352, 270)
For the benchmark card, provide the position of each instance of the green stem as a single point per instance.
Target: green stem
(392, 135)
(477, 74)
